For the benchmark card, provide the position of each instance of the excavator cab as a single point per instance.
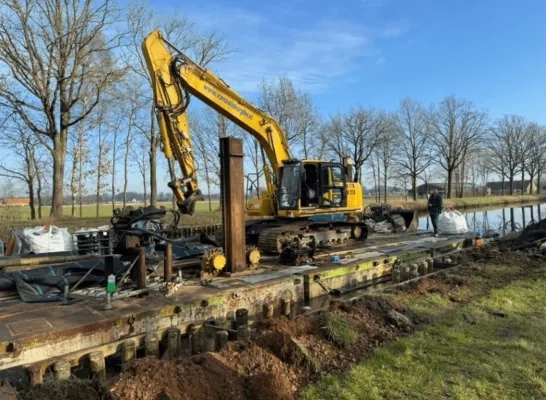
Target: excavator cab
(311, 187)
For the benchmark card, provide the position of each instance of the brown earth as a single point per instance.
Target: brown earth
(283, 356)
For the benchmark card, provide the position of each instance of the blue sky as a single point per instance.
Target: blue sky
(374, 52)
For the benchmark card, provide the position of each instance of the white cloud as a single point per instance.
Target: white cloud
(311, 56)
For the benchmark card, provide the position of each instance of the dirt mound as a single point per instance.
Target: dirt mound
(205, 377)
(7, 392)
(266, 376)
(280, 338)
(72, 389)
(426, 286)
(241, 370)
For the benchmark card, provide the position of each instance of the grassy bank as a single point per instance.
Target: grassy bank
(490, 348)
(470, 202)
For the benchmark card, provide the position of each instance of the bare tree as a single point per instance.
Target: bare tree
(536, 149)
(505, 145)
(387, 148)
(56, 53)
(414, 154)
(456, 127)
(23, 143)
(296, 114)
(483, 168)
(103, 163)
(280, 100)
(207, 127)
(139, 158)
(79, 155)
(132, 99)
(356, 134)
(205, 48)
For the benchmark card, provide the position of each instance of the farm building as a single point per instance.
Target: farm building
(15, 202)
(496, 188)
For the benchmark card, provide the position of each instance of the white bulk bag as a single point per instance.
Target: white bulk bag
(452, 222)
(39, 240)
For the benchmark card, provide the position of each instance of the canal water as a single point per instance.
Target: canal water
(497, 220)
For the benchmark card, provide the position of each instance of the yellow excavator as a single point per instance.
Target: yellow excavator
(312, 202)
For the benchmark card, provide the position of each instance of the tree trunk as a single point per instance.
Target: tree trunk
(31, 199)
(73, 185)
(59, 152)
(523, 180)
(207, 177)
(378, 184)
(414, 186)
(449, 182)
(99, 168)
(539, 176)
(257, 165)
(39, 188)
(80, 186)
(153, 161)
(114, 172)
(128, 141)
(385, 182)
(463, 179)
(126, 170)
(144, 179)
(98, 196)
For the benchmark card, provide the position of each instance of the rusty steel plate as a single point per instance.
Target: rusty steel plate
(28, 326)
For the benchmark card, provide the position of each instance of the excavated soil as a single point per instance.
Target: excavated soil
(282, 357)
(242, 370)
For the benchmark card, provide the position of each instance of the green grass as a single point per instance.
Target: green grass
(19, 217)
(90, 210)
(495, 358)
(338, 329)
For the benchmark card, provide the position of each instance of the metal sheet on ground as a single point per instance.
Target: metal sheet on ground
(275, 275)
(361, 256)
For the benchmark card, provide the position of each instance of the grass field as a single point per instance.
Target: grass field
(90, 210)
(203, 215)
(492, 348)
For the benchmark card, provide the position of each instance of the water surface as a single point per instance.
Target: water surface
(500, 220)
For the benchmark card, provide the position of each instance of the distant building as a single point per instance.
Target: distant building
(469, 189)
(496, 188)
(15, 202)
(426, 188)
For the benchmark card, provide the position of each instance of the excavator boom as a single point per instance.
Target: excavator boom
(174, 78)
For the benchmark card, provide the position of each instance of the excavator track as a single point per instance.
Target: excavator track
(330, 233)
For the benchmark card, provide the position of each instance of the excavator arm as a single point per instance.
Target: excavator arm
(170, 103)
(174, 77)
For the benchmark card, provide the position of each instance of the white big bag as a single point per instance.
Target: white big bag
(452, 222)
